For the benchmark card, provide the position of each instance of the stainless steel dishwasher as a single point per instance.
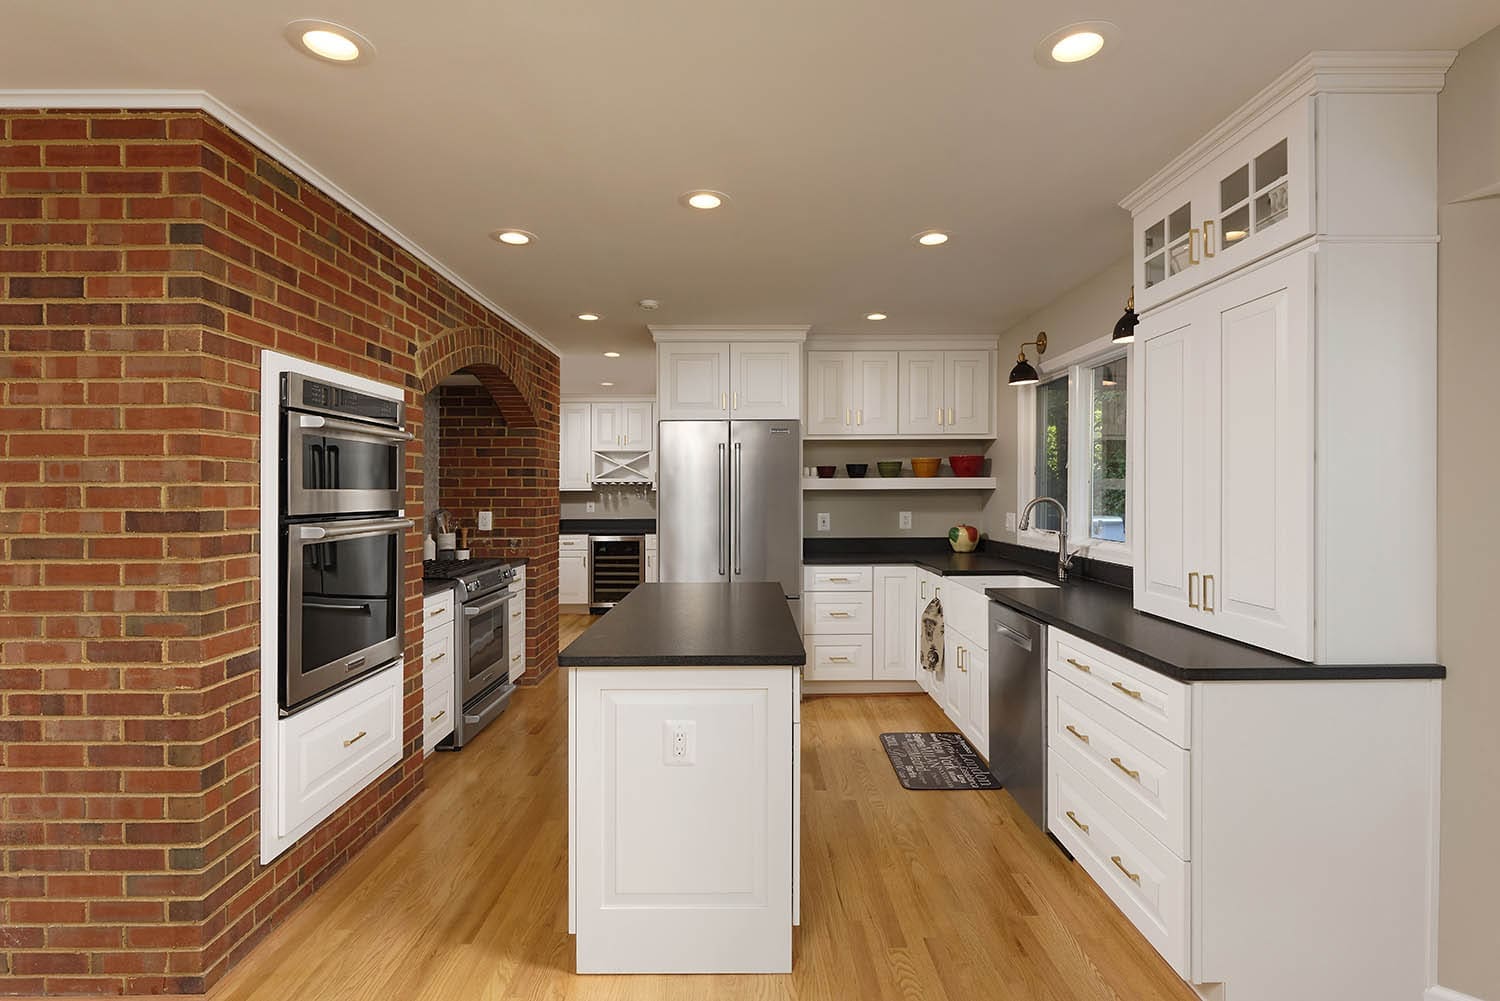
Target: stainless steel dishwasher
(1018, 708)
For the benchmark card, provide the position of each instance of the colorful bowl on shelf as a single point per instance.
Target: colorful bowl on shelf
(857, 470)
(967, 465)
(889, 467)
(925, 467)
(826, 472)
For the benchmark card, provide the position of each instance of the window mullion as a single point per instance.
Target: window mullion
(1080, 455)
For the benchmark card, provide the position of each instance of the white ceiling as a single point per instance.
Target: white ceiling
(840, 128)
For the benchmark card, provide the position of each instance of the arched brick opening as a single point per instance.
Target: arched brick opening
(504, 460)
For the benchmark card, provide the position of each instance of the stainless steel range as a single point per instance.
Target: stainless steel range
(481, 681)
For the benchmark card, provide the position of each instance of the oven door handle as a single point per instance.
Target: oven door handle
(470, 612)
(353, 530)
(328, 606)
(353, 428)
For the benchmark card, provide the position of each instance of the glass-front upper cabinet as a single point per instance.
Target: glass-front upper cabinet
(1249, 197)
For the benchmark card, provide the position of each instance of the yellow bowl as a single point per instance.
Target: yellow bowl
(925, 467)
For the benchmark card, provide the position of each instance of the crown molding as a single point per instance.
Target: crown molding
(728, 332)
(202, 100)
(1319, 72)
(882, 340)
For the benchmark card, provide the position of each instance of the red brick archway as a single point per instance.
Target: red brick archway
(508, 462)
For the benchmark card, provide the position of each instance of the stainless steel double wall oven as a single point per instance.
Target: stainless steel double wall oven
(343, 457)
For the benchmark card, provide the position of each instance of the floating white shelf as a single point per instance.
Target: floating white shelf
(900, 483)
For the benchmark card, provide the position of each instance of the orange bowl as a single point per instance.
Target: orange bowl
(925, 467)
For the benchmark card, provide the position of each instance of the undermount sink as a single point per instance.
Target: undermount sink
(1000, 580)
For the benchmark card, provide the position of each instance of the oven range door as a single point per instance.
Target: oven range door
(341, 604)
(484, 640)
(336, 466)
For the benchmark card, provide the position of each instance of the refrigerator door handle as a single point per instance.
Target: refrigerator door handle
(719, 507)
(735, 520)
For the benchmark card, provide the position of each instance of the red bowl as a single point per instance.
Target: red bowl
(966, 465)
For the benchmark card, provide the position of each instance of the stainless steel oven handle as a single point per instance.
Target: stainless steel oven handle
(471, 611)
(362, 606)
(353, 427)
(353, 529)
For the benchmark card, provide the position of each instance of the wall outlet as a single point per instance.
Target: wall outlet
(825, 523)
(588, 508)
(679, 742)
(1010, 521)
(486, 521)
(903, 520)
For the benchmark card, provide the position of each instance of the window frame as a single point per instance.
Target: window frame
(1075, 366)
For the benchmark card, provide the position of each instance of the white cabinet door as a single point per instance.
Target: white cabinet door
(1259, 563)
(829, 410)
(637, 425)
(609, 432)
(1174, 356)
(875, 385)
(967, 378)
(766, 381)
(955, 688)
(692, 381)
(573, 578)
(978, 663)
(922, 407)
(576, 446)
(894, 627)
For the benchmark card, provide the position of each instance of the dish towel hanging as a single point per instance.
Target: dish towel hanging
(930, 649)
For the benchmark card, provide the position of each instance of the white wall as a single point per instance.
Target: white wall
(1084, 313)
(1468, 543)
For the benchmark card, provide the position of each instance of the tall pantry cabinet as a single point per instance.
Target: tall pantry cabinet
(1284, 383)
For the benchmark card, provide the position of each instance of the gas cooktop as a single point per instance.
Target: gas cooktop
(474, 576)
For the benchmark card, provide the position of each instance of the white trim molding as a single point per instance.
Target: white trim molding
(728, 332)
(202, 100)
(1436, 993)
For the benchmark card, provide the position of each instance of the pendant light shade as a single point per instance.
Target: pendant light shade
(1025, 374)
(1125, 325)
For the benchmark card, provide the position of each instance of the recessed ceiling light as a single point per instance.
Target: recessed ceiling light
(703, 199)
(611, 354)
(931, 238)
(606, 385)
(590, 317)
(329, 41)
(1076, 42)
(513, 237)
(874, 316)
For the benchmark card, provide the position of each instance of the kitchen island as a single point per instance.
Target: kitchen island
(684, 732)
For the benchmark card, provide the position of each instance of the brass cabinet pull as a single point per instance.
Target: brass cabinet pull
(1081, 736)
(723, 401)
(838, 580)
(961, 667)
(439, 656)
(1208, 604)
(940, 416)
(1208, 238)
(950, 416)
(435, 611)
(736, 399)
(838, 615)
(1128, 771)
(440, 714)
(1082, 667)
(1121, 866)
(847, 415)
(355, 739)
(1192, 579)
(838, 660)
(515, 615)
(515, 658)
(1078, 823)
(1128, 691)
(1193, 257)
(924, 588)
(859, 416)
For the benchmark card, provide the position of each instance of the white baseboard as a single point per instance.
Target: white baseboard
(861, 688)
(1445, 994)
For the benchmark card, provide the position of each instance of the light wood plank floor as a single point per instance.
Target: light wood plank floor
(951, 896)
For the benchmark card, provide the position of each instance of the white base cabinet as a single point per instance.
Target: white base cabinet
(652, 573)
(518, 624)
(1271, 840)
(573, 570)
(438, 630)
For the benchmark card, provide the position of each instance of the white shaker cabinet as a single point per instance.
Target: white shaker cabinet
(619, 426)
(852, 393)
(573, 570)
(923, 402)
(946, 392)
(895, 628)
(743, 373)
(765, 381)
(575, 447)
(692, 381)
(653, 561)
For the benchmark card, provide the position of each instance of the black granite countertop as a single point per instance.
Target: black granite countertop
(431, 587)
(1104, 614)
(607, 526)
(692, 625)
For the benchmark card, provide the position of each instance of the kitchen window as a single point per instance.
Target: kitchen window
(1074, 434)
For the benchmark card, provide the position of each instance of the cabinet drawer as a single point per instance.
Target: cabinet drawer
(435, 638)
(1145, 880)
(573, 543)
(838, 613)
(838, 578)
(1145, 774)
(967, 611)
(1152, 699)
(334, 748)
(437, 710)
(437, 662)
(839, 658)
(437, 610)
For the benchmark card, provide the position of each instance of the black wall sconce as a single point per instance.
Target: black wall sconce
(1125, 325)
(1024, 374)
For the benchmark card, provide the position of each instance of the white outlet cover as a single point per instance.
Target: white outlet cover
(904, 519)
(679, 742)
(486, 521)
(825, 523)
(1010, 521)
(588, 507)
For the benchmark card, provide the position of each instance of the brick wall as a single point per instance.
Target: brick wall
(147, 258)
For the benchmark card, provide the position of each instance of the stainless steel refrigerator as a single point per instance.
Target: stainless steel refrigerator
(729, 503)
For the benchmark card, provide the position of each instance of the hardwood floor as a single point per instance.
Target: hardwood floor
(905, 895)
